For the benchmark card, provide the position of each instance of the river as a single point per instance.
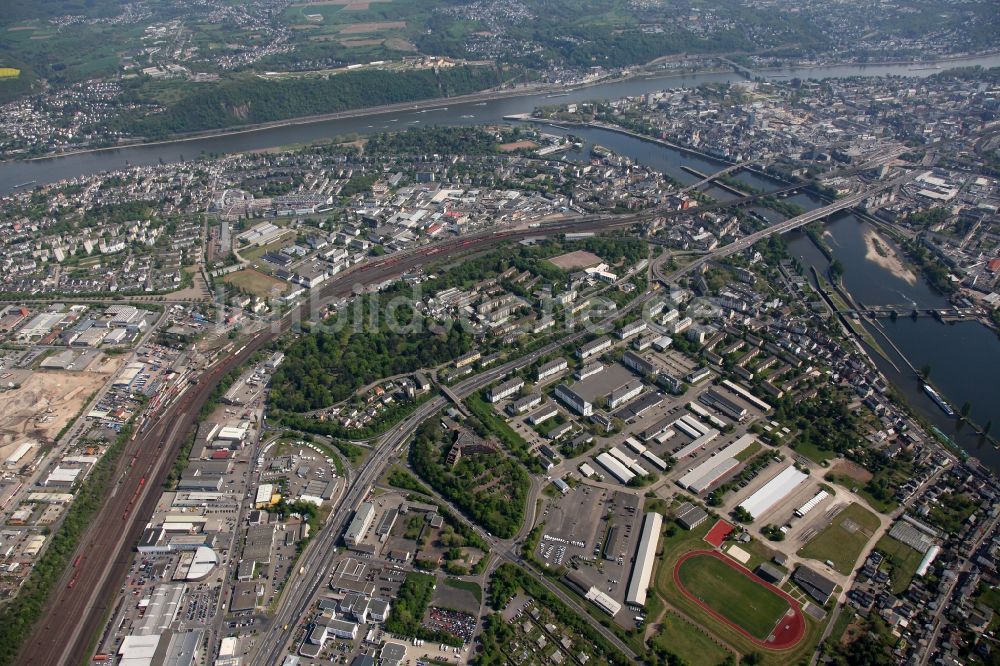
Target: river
(50, 170)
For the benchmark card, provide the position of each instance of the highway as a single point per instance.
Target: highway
(78, 612)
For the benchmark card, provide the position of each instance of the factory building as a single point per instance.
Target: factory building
(362, 520)
(642, 569)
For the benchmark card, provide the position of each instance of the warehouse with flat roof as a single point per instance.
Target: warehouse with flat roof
(642, 569)
(359, 525)
(773, 491)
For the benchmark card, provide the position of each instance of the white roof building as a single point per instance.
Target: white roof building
(773, 491)
(642, 570)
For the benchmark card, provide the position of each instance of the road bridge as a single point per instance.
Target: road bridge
(782, 227)
(448, 393)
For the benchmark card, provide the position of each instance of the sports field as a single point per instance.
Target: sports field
(256, 283)
(844, 538)
(732, 593)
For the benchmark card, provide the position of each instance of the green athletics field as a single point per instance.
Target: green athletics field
(737, 597)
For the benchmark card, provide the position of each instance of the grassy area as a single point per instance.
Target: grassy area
(843, 539)
(902, 562)
(990, 597)
(672, 547)
(735, 596)
(844, 619)
(759, 552)
(496, 425)
(467, 585)
(951, 511)
(690, 643)
(813, 452)
(256, 283)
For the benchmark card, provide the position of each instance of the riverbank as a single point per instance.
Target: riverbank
(235, 130)
(526, 90)
(640, 74)
(528, 118)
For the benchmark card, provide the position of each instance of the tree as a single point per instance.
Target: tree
(836, 270)
(742, 515)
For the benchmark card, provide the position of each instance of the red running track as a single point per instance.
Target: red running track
(790, 629)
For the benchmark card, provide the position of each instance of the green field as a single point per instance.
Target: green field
(690, 643)
(735, 596)
(813, 452)
(257, 283)
(903, 562)
(467, 585)
(842, 540)
(676, 545)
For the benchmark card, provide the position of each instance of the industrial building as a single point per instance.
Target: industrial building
(603, 601)
(15, 458)
(811, 504)
(747, 395)
(642, 569)
(362, 520)
(773, 491)
(702, 477)
(716, 400)
(616, 468)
